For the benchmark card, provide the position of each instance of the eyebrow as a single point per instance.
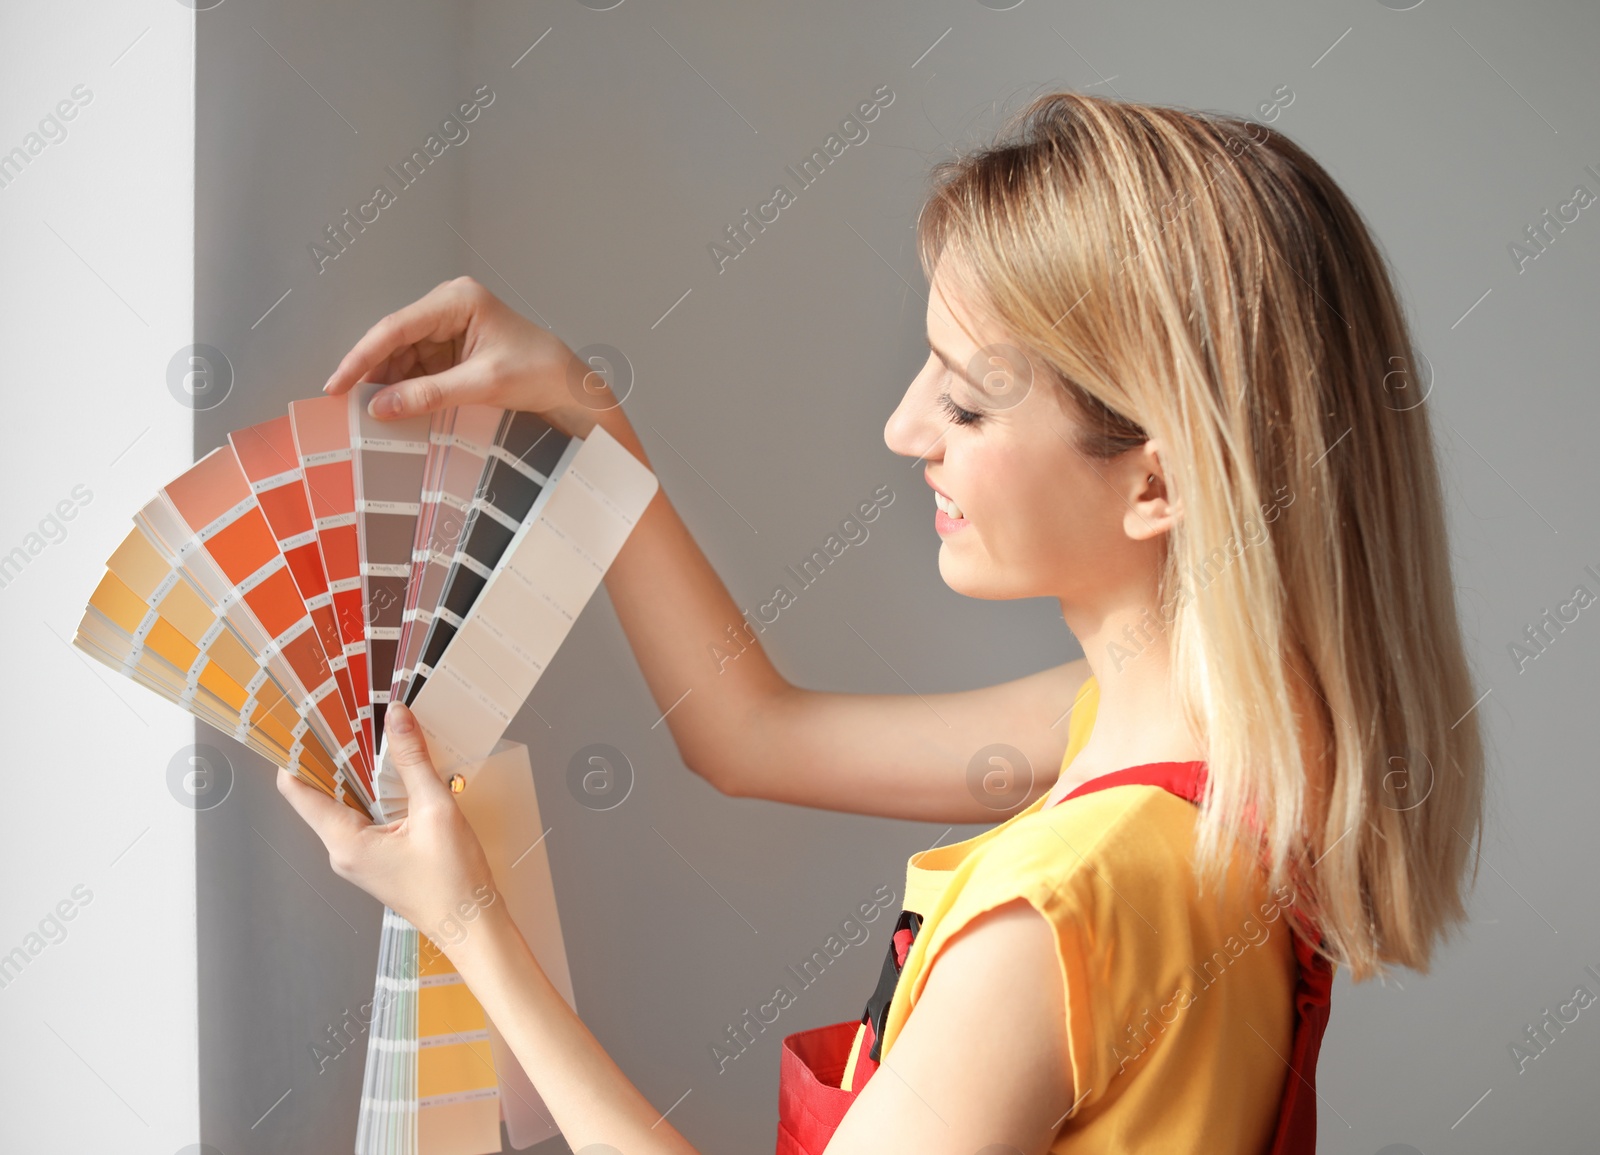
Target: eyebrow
(949, 364)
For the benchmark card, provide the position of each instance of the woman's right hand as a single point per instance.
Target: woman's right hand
(460, 345)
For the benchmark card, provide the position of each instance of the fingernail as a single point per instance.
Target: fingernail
(386, 405)
(329, 383)
(398, 719)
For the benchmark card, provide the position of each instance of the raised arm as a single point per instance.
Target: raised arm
(740, 724)
(736, 720)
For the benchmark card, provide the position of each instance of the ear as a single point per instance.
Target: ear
(1142, 480)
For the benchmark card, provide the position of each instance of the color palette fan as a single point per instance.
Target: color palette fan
(294, 582)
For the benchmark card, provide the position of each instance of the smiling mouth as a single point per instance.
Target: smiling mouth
(947, 516)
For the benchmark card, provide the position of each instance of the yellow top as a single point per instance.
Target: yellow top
(1179, 1006)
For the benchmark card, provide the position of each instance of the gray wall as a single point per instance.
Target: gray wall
(300, 107)
(617, 149)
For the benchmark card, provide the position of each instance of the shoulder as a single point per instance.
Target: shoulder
(1131, 938)
(1072, 860)
(1111, 873)
(1000, 967)
(984, 1059)
(1056, 888)
(1140, 835)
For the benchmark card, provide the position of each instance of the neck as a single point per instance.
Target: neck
(1138, 721)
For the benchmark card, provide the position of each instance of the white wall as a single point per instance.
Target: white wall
(98, 1030)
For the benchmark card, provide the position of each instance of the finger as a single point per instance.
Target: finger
(463, 384)
(409, 751)
(333, 822)
(438, 316)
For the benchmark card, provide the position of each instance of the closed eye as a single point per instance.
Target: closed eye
(957, 414)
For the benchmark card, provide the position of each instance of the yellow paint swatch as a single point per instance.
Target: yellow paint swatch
(458, 1089)
(122, 629)
(143, 568)
(153, 673)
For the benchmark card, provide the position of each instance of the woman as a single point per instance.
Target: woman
(1169, 386)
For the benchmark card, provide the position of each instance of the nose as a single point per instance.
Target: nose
(913, 429)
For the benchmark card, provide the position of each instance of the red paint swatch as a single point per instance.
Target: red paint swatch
(321, 428)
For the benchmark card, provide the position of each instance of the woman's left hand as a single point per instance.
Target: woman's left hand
(429, 866)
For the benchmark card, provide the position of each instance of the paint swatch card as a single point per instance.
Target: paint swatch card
(439, 446)
(206, 523)
(293, 582)
(523, 459)
(266, 453)
(439, 1077)
(547, 572)
(502, 806)
(148, 618)
(389, 459)
(321, 429)
(447, 503)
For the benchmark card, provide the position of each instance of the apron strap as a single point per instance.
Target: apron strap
(894, 961)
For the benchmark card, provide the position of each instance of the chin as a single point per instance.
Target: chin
(975, 581)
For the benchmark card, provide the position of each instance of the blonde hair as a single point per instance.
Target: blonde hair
(1199, 279)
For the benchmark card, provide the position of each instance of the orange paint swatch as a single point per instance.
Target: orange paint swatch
(266, 453)
(233, 562)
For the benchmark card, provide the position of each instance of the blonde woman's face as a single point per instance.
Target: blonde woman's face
(1019, 511)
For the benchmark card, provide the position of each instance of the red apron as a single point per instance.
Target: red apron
(811, 1103)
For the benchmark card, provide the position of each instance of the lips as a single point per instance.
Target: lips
(947, 517)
